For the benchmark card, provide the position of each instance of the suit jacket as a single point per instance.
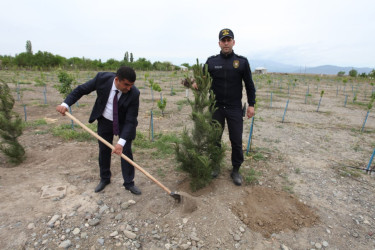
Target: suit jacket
(128, 104)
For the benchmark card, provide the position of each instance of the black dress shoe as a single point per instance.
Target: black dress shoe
(237, 178)
(101, 186)
(134, 189)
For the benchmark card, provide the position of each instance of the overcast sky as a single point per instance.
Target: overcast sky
(297, 32)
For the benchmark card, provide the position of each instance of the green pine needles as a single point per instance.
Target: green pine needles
(200, 153)
(11, 127)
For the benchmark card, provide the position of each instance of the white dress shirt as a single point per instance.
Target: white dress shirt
(108, 111)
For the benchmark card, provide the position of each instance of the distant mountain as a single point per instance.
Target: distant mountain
(276, 67)
(333, 70)
(272, 66)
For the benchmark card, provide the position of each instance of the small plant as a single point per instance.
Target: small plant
(155, 86)
(369, 107)
(321, 96)
(11, 127)
(161, 105)
(40, 82)
(66, 81)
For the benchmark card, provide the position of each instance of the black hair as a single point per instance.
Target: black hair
(127, 73)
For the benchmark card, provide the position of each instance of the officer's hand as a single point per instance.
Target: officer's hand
(61, 109)
(194, 85)
(250, 112)
(117, 150)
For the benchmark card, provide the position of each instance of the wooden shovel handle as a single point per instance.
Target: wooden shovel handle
(122, 155)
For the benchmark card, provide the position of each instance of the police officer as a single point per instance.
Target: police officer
(228, 70)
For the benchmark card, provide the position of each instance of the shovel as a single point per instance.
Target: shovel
(173, 194)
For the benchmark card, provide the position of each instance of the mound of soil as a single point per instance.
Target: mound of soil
(268, 211)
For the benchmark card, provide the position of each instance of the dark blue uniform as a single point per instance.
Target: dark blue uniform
(228, 72)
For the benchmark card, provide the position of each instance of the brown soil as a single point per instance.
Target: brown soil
(307, 193)
(269, 211)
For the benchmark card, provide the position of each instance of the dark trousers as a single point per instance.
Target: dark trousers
(105, 130)
(235, 129)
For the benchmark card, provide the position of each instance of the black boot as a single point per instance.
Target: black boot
(236, 177)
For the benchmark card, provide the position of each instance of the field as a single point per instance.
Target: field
(305, 184)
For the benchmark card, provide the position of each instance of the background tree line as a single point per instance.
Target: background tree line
(354, 73)
(43, 60)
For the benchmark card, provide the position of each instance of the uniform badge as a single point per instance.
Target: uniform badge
(236, 64)
(225, 32)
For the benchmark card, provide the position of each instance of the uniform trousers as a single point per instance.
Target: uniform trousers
(233, 116)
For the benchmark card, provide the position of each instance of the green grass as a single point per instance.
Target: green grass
(41, 132)
(251, 176)
(348, 172)
(163, 144)
(36, 123)
(360, 104)
(288, 189)
(182, 103)
(161, 172)
(27, 89)
(288, 185)
(66, 132)
(27, 83)
(258, 154)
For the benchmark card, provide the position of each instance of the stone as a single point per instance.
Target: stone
(318, 245)
(185, 246)
(101, 241)
(65, 244)
(83, 235)
(31, 226)
(114, 234)
(236, 237)
(283, 247)
(103, 209)
(118, 217)
(76, 231)
(194, 238)
(129, 234)
(94, 222)
(125, 205)
(52, 221)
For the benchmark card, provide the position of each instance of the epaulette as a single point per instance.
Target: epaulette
(243, 57)
(213, 56)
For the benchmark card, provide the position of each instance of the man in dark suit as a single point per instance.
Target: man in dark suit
(116, 110)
